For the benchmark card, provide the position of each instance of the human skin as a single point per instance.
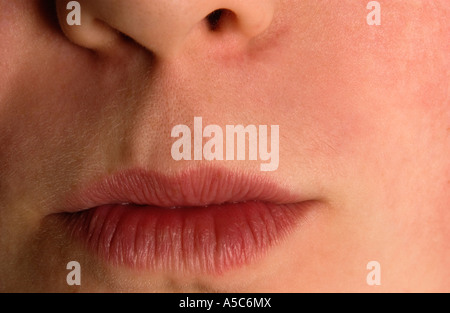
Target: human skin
(364, 119)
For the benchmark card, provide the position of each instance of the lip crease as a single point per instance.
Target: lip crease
(207, 220)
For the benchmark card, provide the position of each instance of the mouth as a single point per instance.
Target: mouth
(198, 221)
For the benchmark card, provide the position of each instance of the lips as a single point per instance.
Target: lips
(201, 221)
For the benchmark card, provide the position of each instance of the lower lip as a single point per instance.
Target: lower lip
(209, 239)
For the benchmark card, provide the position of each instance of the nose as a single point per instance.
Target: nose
(164, 26)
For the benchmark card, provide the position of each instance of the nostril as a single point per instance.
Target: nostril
(214, 19)
(217, 18)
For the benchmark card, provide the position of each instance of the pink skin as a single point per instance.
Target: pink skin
(364, 132)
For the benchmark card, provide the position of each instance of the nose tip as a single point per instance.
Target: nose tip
(164, 27)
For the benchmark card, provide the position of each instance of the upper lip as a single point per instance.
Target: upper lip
(189, 188)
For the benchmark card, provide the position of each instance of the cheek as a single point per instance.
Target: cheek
(37, 133)
(346, 87)
(345, 100)
(326, 101)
